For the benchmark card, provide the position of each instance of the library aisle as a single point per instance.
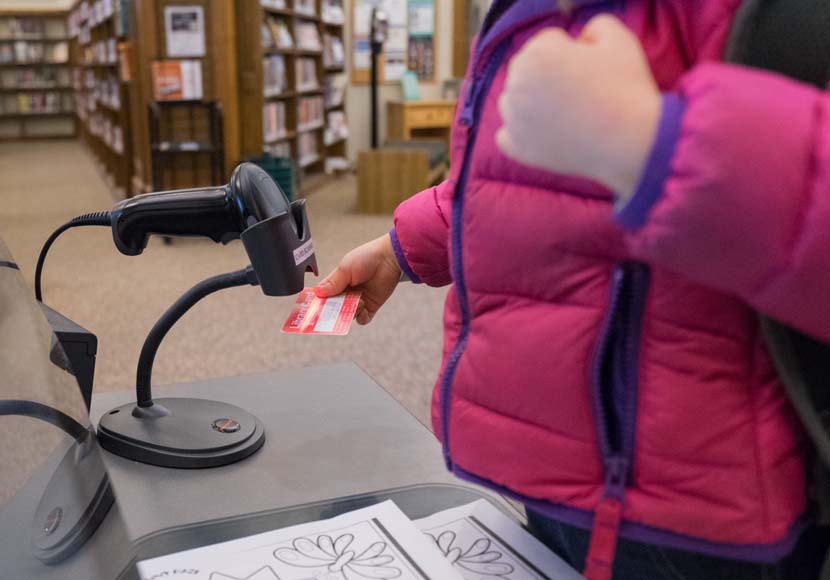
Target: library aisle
(119, 297)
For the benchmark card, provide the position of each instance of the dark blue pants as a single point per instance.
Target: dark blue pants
(636, 561)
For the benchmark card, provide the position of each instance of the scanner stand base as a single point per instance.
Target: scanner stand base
(187, 434)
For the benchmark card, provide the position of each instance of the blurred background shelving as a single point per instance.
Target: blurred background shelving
(36, 97)
(98, 31)
(292, 81)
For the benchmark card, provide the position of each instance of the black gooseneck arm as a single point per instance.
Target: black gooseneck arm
(143, 385)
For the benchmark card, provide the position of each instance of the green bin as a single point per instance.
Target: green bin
(281, 170)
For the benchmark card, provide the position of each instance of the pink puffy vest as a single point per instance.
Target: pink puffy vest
(575, 378)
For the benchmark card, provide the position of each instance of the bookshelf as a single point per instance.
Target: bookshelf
(98, 30)
(292, 80)
(36, 100)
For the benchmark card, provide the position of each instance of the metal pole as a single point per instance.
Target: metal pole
(374, 81)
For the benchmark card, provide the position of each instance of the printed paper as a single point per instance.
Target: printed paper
(483, 543)
(373, 543)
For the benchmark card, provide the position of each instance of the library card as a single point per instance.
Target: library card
(314, 315)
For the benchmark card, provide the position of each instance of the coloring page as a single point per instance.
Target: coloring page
(484, 544)
(375, 543)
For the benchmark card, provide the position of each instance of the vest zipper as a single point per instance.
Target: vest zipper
(615, 391)
(469, 118)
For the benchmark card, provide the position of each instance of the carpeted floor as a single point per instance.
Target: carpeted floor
(235, 332)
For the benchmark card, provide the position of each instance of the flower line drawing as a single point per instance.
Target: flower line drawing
(264, 573)
(335, 555)
(480, 558)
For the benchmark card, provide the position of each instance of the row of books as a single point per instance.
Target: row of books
(309, 113)
(308, 36)
(334, 90)
(26, 52)
(308, 150)
(107, 92)
(32, 103)
(102, 52)
(281, 149)
(305, 7)
(306, 70)
(31, 28)
(334, 55)
(275, 33)
(89, 14)
(332, 10)
(273, 4)
(273, 122)
(35, 78)
(337, 129)
(275, 126)
(275, 81)
(103, 127)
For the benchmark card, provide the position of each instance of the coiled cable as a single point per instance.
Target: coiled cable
(101, 218)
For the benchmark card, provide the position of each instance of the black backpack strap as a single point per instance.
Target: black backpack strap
(792, 37)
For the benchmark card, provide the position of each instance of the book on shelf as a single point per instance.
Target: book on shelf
(33, 52)
(122, 17)
(334, 56)
(334, 90)
(6, 53)
(332, 12)
(35, 78)
(335, 164)
(274, 77)
(279, 149)
(273, 121)
(308, 149)
(118, 140)
(28, 27)
(306, 71)
(305, 7)
(274, 4)
(107, 92)
(35, 103)
(309, 113)
(276, 34)
(177, 80)
(308, 36)
(337, 128)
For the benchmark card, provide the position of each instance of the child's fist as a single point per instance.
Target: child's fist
(373, 269)
(587, 106)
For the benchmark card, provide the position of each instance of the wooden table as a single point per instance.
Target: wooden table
(407, 120)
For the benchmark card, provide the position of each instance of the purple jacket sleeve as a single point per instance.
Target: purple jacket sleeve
(745, 199)
(421, 235)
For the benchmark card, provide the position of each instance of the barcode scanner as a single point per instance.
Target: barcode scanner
(196, 433)
(251, 207)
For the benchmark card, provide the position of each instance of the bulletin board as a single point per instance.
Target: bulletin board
(411, 44)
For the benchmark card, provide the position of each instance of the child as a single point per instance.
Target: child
(602, 357)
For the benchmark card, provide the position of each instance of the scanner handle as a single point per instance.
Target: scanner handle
(210, 212)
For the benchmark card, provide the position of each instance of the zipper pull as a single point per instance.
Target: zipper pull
(599, 563)
(616, 476)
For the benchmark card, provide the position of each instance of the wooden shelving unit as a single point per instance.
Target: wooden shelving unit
(36, 100)
(292, 80)
(98, 30)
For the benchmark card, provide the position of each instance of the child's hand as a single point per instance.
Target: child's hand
(371, 268)
(588, 106)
